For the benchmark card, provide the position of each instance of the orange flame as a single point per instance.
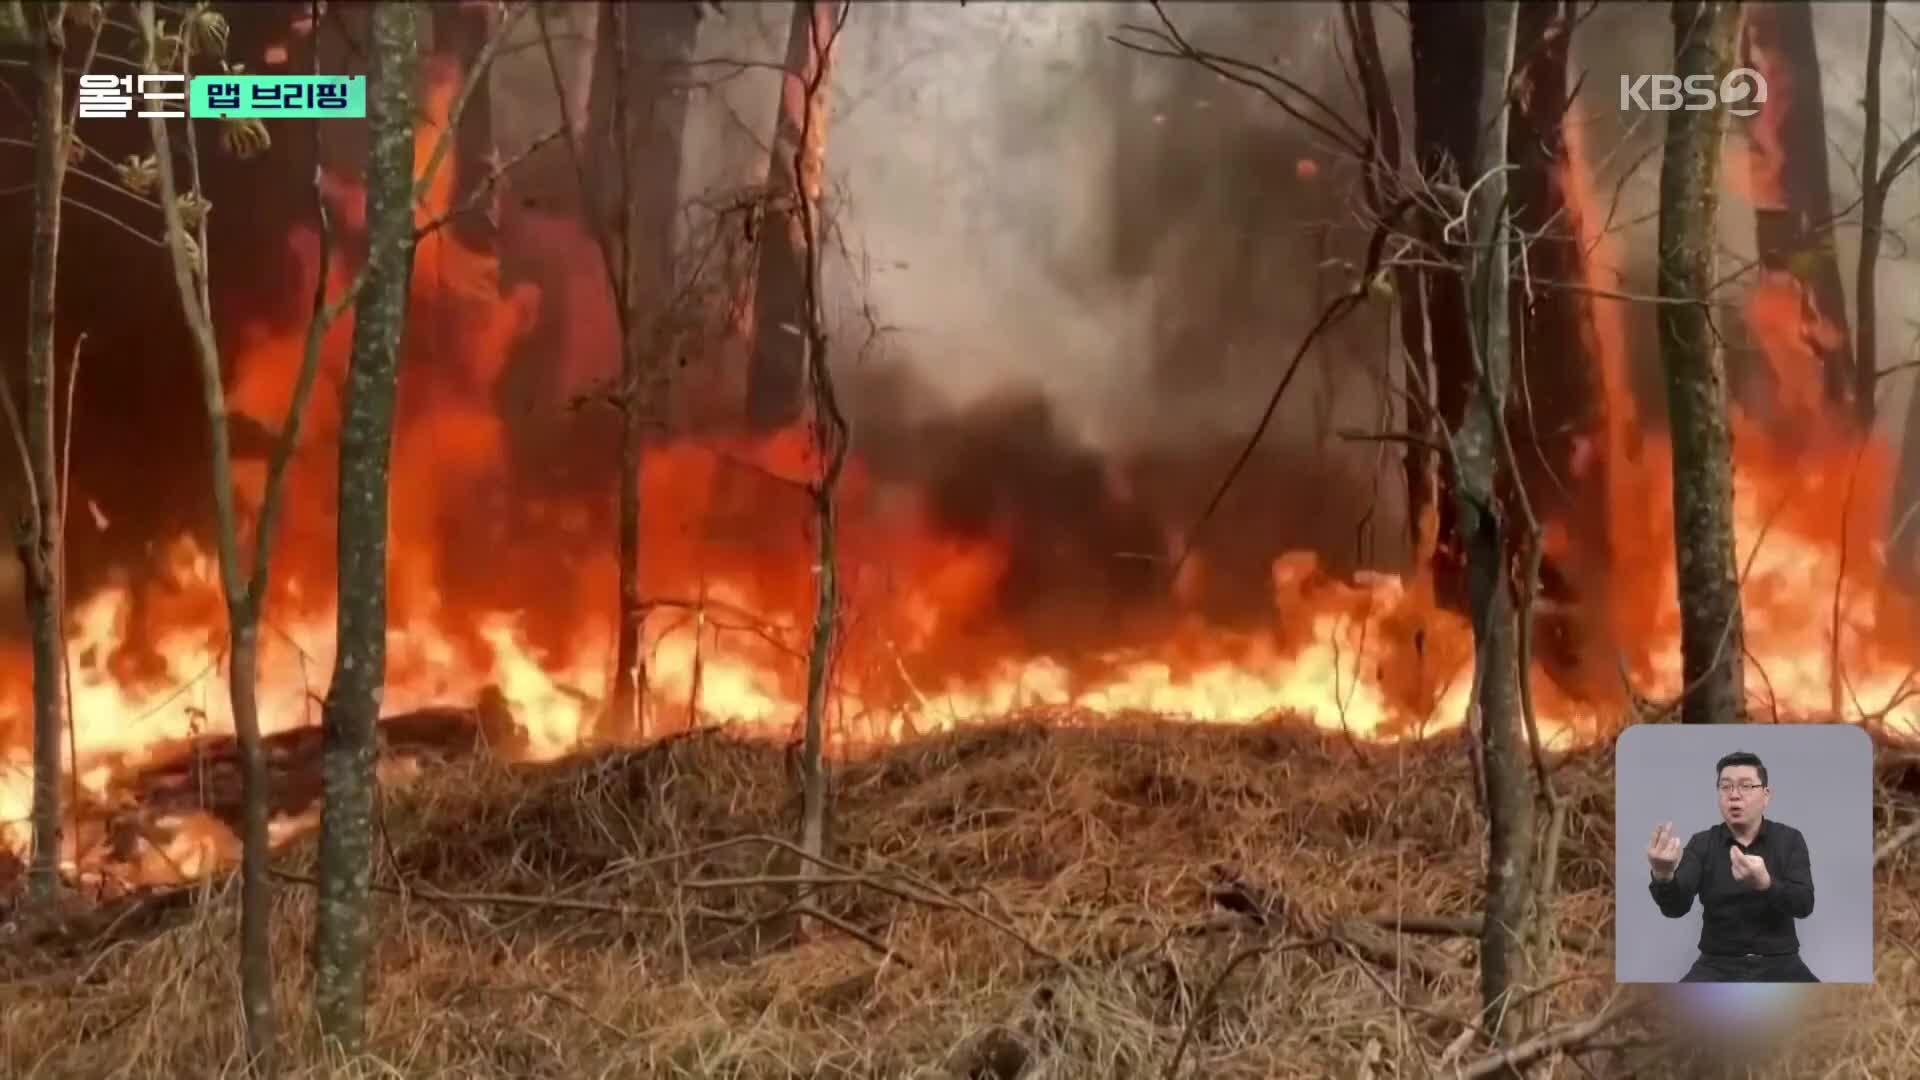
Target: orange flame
(476, 607)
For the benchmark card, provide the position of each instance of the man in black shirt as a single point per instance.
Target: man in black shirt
(1753, 877)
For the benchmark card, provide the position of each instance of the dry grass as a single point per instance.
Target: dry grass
(1025, 900)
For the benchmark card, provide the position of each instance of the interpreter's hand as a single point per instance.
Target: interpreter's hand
(1750, 870)
(1663, 851)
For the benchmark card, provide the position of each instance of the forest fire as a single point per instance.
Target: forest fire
(504, 581)
(957, 524)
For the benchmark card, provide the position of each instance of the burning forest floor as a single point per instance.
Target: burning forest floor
(1035, 899)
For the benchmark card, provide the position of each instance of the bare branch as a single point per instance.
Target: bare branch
(584, 179)
(1558, 1040)
(1338, 309)
(484, 190)
(474, 76)
(1173, 45)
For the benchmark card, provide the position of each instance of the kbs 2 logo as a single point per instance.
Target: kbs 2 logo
(1741, 92)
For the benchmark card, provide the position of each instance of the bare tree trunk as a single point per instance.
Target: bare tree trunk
(1381, 188)
(1478, 483)
(190, 260)
(1873, 213)
(1787, 162)
(1558, 399)
(1903, 540)
(627, 695)
(353, 699)
(638, 122)
(778, 363)
(39, 538)
(805, 168)
(1447, 40)
(256, 892)
(1709, 591)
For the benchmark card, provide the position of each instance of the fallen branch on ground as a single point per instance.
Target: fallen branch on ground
(1452, 926)
(1894, 843)
(1366, 940)
(553, 903)
(886, 951)
(917, 890)
(1569, 1037)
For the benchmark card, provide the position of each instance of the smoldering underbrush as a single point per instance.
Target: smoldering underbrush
(1044, 898)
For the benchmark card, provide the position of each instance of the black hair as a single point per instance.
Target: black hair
(1741, 757)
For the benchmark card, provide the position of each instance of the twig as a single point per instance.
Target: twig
(620, 1033)
(1402, 1004)
(583, 177)
(552, 903)
(1404, 438)
(480, 65)
(484, 189)
(1894, 843)
(1207, 999)
(1336, 129)
(887, 952)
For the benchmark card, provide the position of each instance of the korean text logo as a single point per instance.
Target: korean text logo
(228, 96)
(1741, 92)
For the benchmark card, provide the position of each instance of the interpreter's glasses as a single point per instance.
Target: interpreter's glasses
(1742, 789)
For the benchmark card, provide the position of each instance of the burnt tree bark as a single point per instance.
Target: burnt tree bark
(366, 433)
(776, 369)
(1793, 202)
(637, 117)
(1711, 635)
(1558, 401)
(1479, 480)
(37, 539)
(1447, 41)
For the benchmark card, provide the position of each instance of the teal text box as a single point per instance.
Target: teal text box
(285, 96)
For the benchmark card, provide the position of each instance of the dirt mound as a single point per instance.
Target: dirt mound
(1038, 899)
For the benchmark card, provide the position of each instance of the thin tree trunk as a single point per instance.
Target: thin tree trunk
(256, 892)
(804, 168)
(628, 698)
(1482, 528)
(1381, 188)
(1711, 635)
(189, 256)
(366, 434)
(1793, 203)
(40, 544)
(190, 260)
(776, 369)
(637, 124)
(1903, 539)
(1873, 212)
